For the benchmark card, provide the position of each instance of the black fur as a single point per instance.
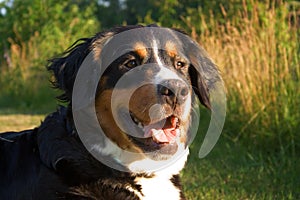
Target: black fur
(50, 162)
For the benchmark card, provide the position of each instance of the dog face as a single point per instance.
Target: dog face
(164, 77)
(160, 110)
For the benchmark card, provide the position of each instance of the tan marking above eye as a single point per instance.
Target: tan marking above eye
(140, 49)
(171, 49)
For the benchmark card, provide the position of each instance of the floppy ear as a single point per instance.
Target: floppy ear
(199, 86)
(65, 68)
(203, 74)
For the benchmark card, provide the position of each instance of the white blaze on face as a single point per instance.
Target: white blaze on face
(164, 73)
(167, 74)
(156, 51)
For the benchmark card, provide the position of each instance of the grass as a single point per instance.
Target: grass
(233, 171)
(26, 95)
(18, 122)
(239, 170)
(257, 156)
(258, 56)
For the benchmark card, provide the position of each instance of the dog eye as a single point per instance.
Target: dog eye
(180, 64)
(131, 63)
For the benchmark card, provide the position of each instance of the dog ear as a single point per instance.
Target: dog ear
(199, 86)
(65, 68)
(203, 74)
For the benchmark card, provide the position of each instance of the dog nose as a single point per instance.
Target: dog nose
(173, 91)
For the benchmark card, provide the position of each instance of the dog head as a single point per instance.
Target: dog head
(163, 70)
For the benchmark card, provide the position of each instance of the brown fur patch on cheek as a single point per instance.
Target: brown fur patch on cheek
(108, 124)
(141, 101)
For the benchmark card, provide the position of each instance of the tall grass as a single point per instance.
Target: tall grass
(24, 85)
(258, 54)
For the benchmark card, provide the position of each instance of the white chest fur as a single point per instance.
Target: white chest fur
(157, 188)
(160, 185)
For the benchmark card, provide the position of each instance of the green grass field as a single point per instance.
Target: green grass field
(237, 171)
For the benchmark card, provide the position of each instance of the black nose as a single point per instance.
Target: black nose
(173, 91)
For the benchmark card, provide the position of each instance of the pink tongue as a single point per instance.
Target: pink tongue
(162, 133)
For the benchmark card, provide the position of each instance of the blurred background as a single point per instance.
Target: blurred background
(255, 43)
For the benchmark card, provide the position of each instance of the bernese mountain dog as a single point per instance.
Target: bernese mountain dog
(130, 96)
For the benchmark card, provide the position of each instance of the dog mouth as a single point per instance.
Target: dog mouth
(159, 138)
(163, 131)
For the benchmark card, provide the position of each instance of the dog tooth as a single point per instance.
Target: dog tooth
(135, 120)
(140, 125)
